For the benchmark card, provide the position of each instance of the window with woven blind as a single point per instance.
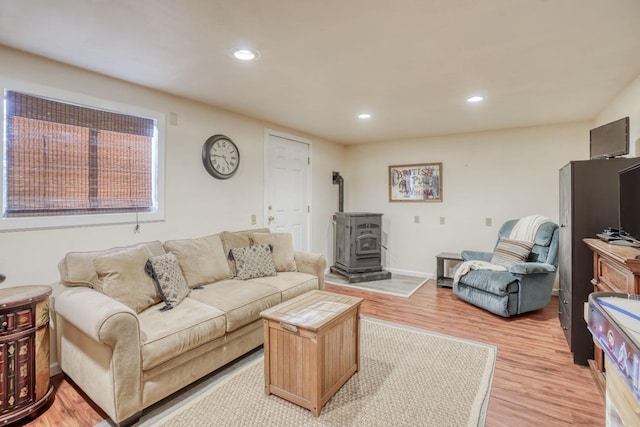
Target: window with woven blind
(67, 163)
(65, 159)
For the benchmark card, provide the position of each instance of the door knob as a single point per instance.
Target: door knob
(271, 218)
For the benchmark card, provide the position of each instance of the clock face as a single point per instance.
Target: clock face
(220, 156)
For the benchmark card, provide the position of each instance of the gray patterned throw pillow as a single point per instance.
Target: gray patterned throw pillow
(253, 261)
(165, 271)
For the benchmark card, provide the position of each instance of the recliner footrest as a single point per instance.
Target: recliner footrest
(498, 283)
(502, 305)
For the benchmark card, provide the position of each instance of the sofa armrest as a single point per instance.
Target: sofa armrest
(535, 289)
(99, 348)
(312, 263)
(476, 256)
(531, 268)
(94, 313)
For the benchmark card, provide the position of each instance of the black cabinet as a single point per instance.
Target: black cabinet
(588, 205)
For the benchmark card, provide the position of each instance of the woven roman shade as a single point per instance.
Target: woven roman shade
(68, 159)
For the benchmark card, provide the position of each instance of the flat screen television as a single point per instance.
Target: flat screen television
(609, 140)
(629, 187)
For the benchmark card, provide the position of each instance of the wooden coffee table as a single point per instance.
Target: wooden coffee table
(311, 347)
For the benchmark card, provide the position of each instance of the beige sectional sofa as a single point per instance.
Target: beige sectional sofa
(117, 341)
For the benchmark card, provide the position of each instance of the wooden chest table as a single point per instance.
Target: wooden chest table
(311, 347)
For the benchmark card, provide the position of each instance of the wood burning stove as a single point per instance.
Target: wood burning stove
(358, 251)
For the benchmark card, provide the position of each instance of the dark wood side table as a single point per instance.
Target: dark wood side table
(25, 384)
(442, 280)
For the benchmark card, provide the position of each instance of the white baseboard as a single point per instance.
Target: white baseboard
(54, 369)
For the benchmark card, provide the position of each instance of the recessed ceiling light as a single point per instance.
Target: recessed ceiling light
(246, 54)
(475, 99)
(364, 116)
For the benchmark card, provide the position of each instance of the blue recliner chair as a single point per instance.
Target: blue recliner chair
(526, 286)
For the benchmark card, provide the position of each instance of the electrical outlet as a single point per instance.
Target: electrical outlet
(253, 219)
(441, 220)
(416, 219)
(488, 221)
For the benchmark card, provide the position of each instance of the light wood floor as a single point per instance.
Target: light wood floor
(535, 382)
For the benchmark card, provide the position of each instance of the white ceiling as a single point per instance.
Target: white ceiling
(410, 63)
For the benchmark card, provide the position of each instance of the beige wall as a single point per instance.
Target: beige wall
(499, 175)
(196, 203)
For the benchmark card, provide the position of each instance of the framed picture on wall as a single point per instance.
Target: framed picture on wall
(421, 182)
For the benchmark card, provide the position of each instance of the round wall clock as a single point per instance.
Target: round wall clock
(220, 156)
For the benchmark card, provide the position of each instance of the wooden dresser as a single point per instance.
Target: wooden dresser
(615, 269)
(25, 384)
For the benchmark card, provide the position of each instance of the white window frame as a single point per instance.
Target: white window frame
(69, 221)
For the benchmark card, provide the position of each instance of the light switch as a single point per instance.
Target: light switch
(487, 222)
(253, 219)
(441, 220)
(416, 219)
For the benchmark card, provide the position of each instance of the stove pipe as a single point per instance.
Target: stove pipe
(337, 179)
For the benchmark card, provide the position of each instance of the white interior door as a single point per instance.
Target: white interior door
(287, 186)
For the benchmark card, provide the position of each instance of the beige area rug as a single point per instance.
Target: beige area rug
(408, 377)
(399, 285)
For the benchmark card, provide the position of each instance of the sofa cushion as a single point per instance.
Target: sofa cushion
(545, 234)
(167, 334)
(509, 252)
(238, 239)
(77, 269)
(240, 300)
(290, 284)
(253, 261)
(494, 282)
(123, 278)
(540, 250)
(542, 239)
(167, 274)
(282, 244)
(202, 260)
